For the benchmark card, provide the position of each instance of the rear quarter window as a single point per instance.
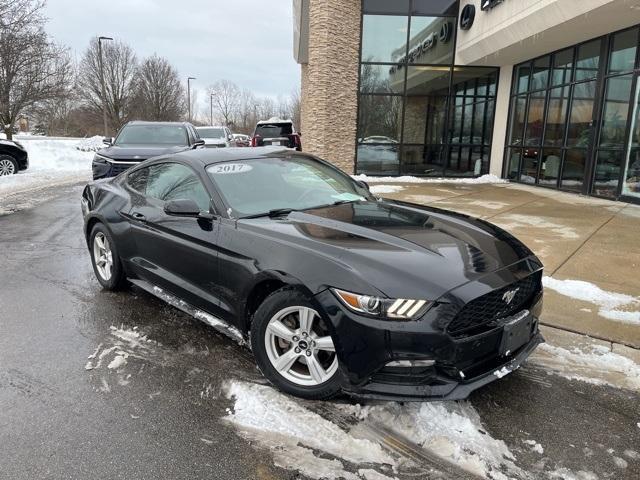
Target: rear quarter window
(137, 180)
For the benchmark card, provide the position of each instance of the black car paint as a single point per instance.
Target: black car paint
(16, 151)
(378, 247)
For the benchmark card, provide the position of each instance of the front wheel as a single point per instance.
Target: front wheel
(105, 259)
(293, 347)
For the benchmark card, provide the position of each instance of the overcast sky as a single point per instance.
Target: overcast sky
(246, 41)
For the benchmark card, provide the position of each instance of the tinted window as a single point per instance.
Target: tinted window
(384, 38)
(173, 181)
(385, 6)
(211, 132)
(152, 135)
(273, 130)
(138, 179)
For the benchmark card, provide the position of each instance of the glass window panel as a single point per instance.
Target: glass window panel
(434, 7)
(515, 157)
(623, 52)
(380, 117)
(631, 178)
(431, 40)
(466, 161)
(581, 115)
(385, 6)
(428, 80)
(573, 169)
(467, 120)
(465, 80)
(540, 73)
(490, 114)
(384, 38)
(424, 119)
(550, 168)
(378, 159)
(562, 67)
(616, 112)
(535, 119)
(607, 175)
(588, 60)
(455, 135)
(521, 82)
(530, 159)
(380, 79)
(518, 112)
(557, 116)
(477, 130)
(422, 160)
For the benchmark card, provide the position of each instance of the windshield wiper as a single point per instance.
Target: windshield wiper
(276, 212)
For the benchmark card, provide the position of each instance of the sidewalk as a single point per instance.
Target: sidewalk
(590, 249)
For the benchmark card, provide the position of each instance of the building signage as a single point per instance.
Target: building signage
(428, 44)
(489, 4)
(467, 17)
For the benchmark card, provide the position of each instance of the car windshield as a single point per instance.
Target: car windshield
(152, 135)
(258, 186)
(272, 130)
(211, 132)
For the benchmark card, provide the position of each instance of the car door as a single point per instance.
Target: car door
(175, 253)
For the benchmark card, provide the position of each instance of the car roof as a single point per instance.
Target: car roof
(209, 156)
(144, 122)
(209, 126)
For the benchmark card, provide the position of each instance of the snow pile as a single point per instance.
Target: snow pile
(614, 306)
(594, 364)
(51, 162)
(381, 189)
(91, 144)
(514, 221)
(484, 179)
(535, 446)
(565, 474)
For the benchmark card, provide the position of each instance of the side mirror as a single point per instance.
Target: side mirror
(182, 208)
(198, 143)
(362, 184)
(107, 141)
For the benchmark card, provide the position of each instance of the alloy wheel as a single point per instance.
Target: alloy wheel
(299, 346)
(103, 256)
(7, 167)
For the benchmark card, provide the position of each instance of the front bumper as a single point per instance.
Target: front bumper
(104, 169)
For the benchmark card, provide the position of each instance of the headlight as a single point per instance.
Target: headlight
(100, 159)
(401, 308)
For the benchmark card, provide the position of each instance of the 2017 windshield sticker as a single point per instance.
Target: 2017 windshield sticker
(229, 168)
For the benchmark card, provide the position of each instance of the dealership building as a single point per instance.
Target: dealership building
(543, 92)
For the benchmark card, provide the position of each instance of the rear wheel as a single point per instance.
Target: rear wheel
(105, 259)
(8, 165)
(293, 347)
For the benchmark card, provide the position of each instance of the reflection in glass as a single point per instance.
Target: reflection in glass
(573, 169)
(540, 74)
(467, 161)
(380, 116)
(428, 80)
(521, 83)
(431, 40)
(518, 111)
(529, 172)
(631, 185)
(607, 174)
(616, 112)
(623, 52)
(384, 38)
(535, 119)
(383, 159)
(515, 156)
(378, 79)
(422, 160)
(588, 60)
(562, 67)
(424, 119)
(550, 168)
(557, 116)
(581, 115)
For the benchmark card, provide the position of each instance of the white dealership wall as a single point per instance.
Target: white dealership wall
(518, 30)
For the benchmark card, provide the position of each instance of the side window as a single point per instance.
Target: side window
(138, 179)
(173, 181)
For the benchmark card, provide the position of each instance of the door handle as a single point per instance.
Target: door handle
(138, 216)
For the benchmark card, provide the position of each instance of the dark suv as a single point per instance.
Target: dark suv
(138, 141)
(13, 157)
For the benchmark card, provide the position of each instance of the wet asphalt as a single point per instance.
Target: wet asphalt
(63, 415)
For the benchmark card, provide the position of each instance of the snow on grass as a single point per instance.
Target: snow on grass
(381, 189)
(594, 364)
(614, 306)
(484, 179)
(91, 144)
(52, 161)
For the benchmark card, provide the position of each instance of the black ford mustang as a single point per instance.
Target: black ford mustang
(333, 288)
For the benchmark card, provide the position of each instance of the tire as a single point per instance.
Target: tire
(8, 165)
(283, 352)
(105, 259)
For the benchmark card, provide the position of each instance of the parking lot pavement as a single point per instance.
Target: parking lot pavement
(579, 239)
(120, 385)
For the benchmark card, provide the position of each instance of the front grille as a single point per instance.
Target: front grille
(484, 311)
(118, 168)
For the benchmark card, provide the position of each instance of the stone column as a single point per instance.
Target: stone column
(500, 126)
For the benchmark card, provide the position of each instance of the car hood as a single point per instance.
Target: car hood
(401, 248)
(139, 152)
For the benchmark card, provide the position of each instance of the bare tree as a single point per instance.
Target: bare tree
(226, 100)
(120, 68)
(32, 68)
(295, 108)
(159, 93)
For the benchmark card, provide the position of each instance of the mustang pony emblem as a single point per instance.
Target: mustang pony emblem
(509, 296)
